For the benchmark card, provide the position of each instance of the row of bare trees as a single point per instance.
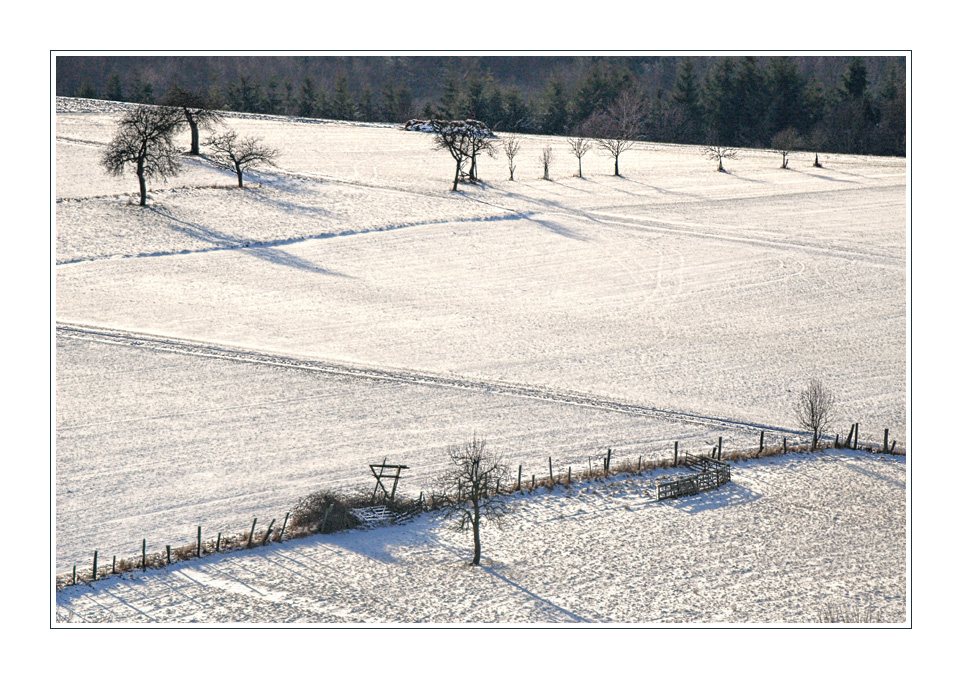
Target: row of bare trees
(144, 142)
(612, 131)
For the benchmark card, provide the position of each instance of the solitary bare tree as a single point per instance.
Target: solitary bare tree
(512, 146)
(144, 141)
(618, 127)
(579, 149)
(546, 162)
(469, 489)
(238, 155)
(196, 111)
(814, 409)
(785, 142)
(720, 152)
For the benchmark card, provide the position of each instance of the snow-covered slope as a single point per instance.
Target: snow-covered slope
(790, 540)
(709, 296)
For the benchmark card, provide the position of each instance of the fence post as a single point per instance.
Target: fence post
(608, 463)
(885, 444)
(251, 536)
(198, 541)
(519, 477)
(95, 564)
(168, 555)
(113, 569)
(143, 555)
(785, 444)
(569, 475)
(267, 535)
(74, 581)
(719, 447)
(280, 537)
(848, 441)
(856, 436)
(761, 442)
(218, 542)
(551, 469)
(676, 453)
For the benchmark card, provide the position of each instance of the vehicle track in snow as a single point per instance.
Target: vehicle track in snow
(208, 350)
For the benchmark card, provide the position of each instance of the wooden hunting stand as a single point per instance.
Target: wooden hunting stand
(380, 471)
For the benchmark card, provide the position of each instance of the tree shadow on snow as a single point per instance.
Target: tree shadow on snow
(267, 252)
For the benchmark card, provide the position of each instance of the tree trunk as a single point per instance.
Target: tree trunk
(616, 167)
(240, 176)
(142, 181)
(457, 175)
(720, 168)
(194, 138)
(476, 525)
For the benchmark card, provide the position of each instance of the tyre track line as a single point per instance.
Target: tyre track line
(207, 350)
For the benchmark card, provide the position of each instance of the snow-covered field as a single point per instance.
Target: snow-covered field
(789, 540)
(554, 318)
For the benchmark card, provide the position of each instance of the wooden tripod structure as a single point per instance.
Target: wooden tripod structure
(381, 471)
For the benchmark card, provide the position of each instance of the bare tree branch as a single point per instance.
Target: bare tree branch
(814, 409)
(719, 152)
(463, 139)
(468, 490)
(144, 141)
(618, 127)
(579, 149)
(238, 155)
(512, 146)
(197, 112)
(785, 142)
(546, 162)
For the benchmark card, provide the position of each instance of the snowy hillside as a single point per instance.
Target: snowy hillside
(790, 540)
(222, 352)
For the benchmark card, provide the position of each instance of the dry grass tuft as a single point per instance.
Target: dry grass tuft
(841, 615)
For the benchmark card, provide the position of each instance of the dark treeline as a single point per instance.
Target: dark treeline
(845, 104)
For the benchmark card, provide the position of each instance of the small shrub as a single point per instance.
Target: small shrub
(323, 512)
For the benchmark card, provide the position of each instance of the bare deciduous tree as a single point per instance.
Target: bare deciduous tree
(197, 112)
(720, 152)
(469, 489)
(618, 127)
(481, 141)
(579, 149)
(144, 141)
(463, 139)
(814, 409)
(512, 146)
(546, 162)
(241, 154)
(785, 142)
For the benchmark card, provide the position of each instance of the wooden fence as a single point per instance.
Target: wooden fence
(711, 474)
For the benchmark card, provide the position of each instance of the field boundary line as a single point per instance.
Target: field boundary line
(541, 393)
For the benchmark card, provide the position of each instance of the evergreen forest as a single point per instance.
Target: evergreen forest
(841, 104)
